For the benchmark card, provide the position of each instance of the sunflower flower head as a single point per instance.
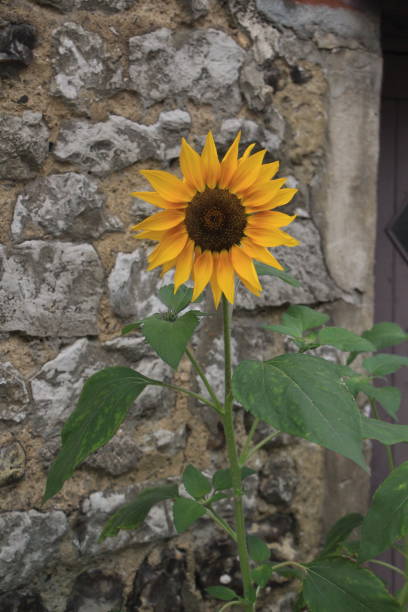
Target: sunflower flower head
(218, 219)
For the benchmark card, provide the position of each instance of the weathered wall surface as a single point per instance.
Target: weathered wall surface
(90, 92)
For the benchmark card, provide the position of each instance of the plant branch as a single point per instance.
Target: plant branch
(388, 565)
(244, 452)
(216, 403)
(221, 523)
(261, 444)
(196, 396)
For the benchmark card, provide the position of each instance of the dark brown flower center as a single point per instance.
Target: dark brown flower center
(215, 219)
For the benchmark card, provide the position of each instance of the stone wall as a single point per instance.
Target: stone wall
(91, 91)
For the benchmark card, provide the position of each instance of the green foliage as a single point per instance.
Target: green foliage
(197, 485)
(388, 397)
(304, 396)
(222, 479)
(264, 270)
(385, 334)
(344, 340)
(307, 317)
(175, 302)
(262, 574)
(387, 517)
(186, 512)
(340, 531)
(387, 433)
(103, 404)
(383, 364)
(222, 592)
(257, 549)
(338, 585)
(170, 338)
(132, 515)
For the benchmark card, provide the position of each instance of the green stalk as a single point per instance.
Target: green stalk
(228, 421)
(201, 373)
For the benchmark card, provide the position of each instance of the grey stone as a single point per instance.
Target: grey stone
(21, 601)
(12, 462)
(107, 6)
(304, 262)
(165, 441)
(257, 93)
(198, 8)
(50, 288)
(94, 591)
(121, 455)
(23, 145)
(132, 288)
(29, 540)
(14, 398)
(84, 71)
(200, 65)
(270, 138)
(100, 505)
(109, 146)
(69, 205)
(17, 41)
(279, 481)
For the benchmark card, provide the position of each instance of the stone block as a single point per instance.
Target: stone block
(21, 601)
(269, 137)
(84, 71)
(29, 541)
(279, 480)
(50, 288)
(65, 205)
(201, 65)
(109, 146)
(107, 6)
(17, 41)
(12, 462)
(23, 145)
(14, 398)
(95, 591)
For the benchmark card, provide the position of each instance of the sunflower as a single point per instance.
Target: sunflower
(217, 219)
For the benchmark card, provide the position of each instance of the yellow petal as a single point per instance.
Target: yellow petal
(282, 197)
(169, 186)
(191, 167)
(229, 163)
(216, 291)
(154, 198)
(264, 193)
(269, 220)
(246, 153)
(244, 267)
(167, 266)
(259, 253)
(247, 172)
(161, 221)
(170, 246)
(184, 263)
(148, 235)
(268, 171)
(250, 287)
(210, 163)
(270, 238)
(203, 267)
(225, 275)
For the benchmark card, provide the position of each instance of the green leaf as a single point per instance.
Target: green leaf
(197, 485)
(387, 518)
(385, 334)
(132, 515)
(170, 338)
(387, 433)
(222, 592)
(257, 549)
(176, 302)
(388, 397)
(338, 584)
(103, 404)
(308, 318)
(289, 327)
(304, 396)
(186, 512)
(262, 574)
(383, 364)
(131, 327)
(222, 479)
(340, 531)
(344, 339)
(264, 270)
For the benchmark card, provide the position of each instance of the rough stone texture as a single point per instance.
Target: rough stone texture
(29, 541)
(109, 146)
(279, 483)
(83, 70)
(306, 264)
(50, 288)
(65, 205)
(269, 136)
(14, 397)
(108, 6)
(22, 601)
(23, 145)
(95, 591)
(12, 462)
(202, 65)
(17, 41)
(198, 8)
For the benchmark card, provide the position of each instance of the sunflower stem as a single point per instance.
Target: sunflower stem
(228, 421)
(216, 402)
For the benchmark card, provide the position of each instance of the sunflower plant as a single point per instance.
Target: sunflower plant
(215, 227)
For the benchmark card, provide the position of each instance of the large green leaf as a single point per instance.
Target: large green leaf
(222, 592)
(387, 433)
(197, 485)
(186, 512)
(222, 479)
(265, 270)
(175, 302)
(388, 397)
(304, 396)
(170, 338)
(387, 518)
(340, 531)
(103, 404)
(132, 515)
(385, 334)
(344, 339)
(257, 549)
(290, 326)
(339, 585)
(383, 364)
(308, 318)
